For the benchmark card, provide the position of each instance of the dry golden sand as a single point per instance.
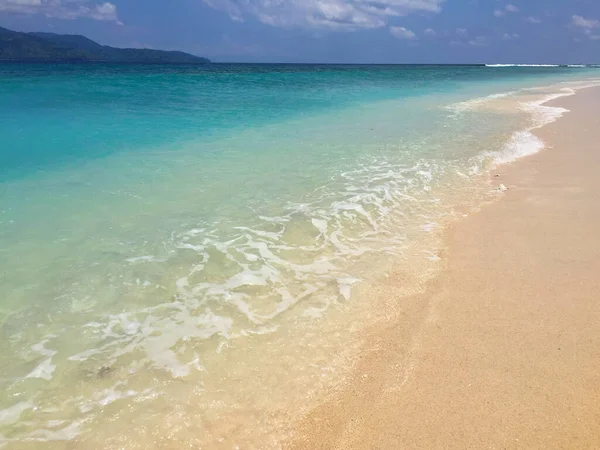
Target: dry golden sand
(503, 350)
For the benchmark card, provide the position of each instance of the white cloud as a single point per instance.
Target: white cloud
(479, 41)
(106, 9)
(587, 26)
(508, 8)
(24, 2)
(337, 15)
(534, 20)
(62, 9)
(462, 32)
(510, 37)
(402, 33)
(582, 22)
(430, 32)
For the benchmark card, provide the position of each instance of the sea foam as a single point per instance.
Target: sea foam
(524, 143)
(469, 105)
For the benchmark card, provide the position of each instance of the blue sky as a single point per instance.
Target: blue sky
(350, 31)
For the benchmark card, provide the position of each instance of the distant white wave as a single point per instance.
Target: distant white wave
(544, 65)
(522, 65)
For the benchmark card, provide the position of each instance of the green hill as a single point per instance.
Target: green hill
(50, 47)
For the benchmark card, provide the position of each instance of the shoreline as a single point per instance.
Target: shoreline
(499, 352)
(246, 382)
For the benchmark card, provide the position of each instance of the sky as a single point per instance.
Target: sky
(330, 31)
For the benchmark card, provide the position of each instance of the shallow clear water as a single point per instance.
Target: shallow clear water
(181, 248)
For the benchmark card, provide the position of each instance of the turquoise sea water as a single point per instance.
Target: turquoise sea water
(181, 248)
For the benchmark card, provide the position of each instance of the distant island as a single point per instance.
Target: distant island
(50, 47)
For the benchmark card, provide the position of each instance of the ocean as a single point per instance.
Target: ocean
(188, 253)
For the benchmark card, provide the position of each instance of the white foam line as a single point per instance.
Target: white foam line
(524, 143)
(471, 104)
(11, 415)
(578, 66)
(522, 65)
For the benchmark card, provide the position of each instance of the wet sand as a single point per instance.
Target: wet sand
(502, 351)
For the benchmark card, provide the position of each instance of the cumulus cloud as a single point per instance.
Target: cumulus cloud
(402, 33)
(336, 15)
(582, 22)
(62, 9)
(430, 32)
(533, 19)
(587, 26)
(462, 32)
(510, 37)
(509, 8)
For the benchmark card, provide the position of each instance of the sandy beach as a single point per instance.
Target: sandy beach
(502, 351)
